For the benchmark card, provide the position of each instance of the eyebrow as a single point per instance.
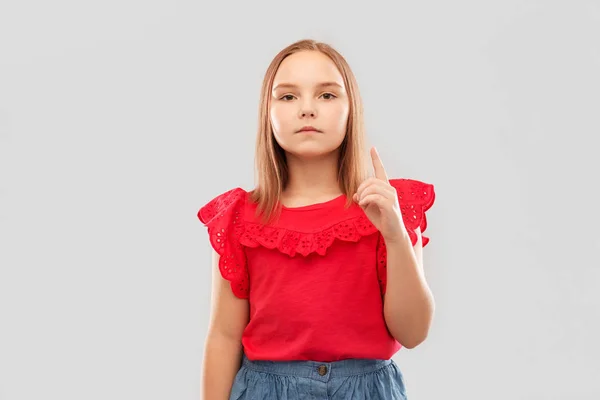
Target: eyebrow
(319, 85)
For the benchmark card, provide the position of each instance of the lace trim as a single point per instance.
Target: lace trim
(222, 218)
(382, 264)
(291, 242)
(415, 199)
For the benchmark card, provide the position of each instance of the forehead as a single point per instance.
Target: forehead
(306, 68)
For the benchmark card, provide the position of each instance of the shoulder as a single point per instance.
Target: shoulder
(221, 204)
(415, 197)
(413, 191)
(221, 216)
(408, 185)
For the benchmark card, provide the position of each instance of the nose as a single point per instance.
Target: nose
(308, 110)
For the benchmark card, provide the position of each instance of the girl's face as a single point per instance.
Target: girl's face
(308, 90)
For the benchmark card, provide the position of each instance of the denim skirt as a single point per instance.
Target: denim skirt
(354, 379)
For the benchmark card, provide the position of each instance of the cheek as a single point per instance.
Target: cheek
(340, 116)
(278, 119)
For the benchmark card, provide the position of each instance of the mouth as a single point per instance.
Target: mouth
(308, 129)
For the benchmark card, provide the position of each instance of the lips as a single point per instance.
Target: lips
(309, 129)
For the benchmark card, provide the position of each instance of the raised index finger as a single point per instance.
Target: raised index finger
(378, 165)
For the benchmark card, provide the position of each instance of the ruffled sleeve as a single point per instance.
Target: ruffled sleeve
(223, 218)
(415, 198)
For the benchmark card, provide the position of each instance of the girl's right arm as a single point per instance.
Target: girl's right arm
(223, 346)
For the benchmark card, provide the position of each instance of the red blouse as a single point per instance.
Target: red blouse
(314, 279)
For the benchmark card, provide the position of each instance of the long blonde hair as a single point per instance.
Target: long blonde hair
(271, 168)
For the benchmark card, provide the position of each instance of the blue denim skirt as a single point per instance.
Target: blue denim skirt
(354, 379)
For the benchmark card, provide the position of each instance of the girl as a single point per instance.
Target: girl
(318, 272)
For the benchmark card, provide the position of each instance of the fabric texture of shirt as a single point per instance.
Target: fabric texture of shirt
(315, 278)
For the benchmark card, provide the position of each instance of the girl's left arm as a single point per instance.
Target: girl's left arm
(408, 302)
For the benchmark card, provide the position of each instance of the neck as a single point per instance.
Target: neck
(313, 178)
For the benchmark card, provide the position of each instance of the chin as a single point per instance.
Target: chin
(311, 150)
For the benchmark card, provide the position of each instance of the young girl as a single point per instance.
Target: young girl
(318, 272)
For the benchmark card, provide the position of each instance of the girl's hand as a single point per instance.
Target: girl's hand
(379, 200)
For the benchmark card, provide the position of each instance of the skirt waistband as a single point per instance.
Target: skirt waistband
(315, 369)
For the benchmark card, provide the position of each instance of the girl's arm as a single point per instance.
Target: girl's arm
(409, 304)
(223, 346)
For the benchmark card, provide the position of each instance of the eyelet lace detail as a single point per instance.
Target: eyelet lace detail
(291, 242)
(415, 199)
(222, 216)
(381, 264)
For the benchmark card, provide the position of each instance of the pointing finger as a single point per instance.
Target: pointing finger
(378, 165)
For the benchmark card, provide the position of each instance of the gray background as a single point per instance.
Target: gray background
(119, 119)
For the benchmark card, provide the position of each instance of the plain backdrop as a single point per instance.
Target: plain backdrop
(119, 119)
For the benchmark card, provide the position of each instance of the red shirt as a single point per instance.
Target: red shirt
(314, 279)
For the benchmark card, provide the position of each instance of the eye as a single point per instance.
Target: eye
(332, 96)
(285, 97)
